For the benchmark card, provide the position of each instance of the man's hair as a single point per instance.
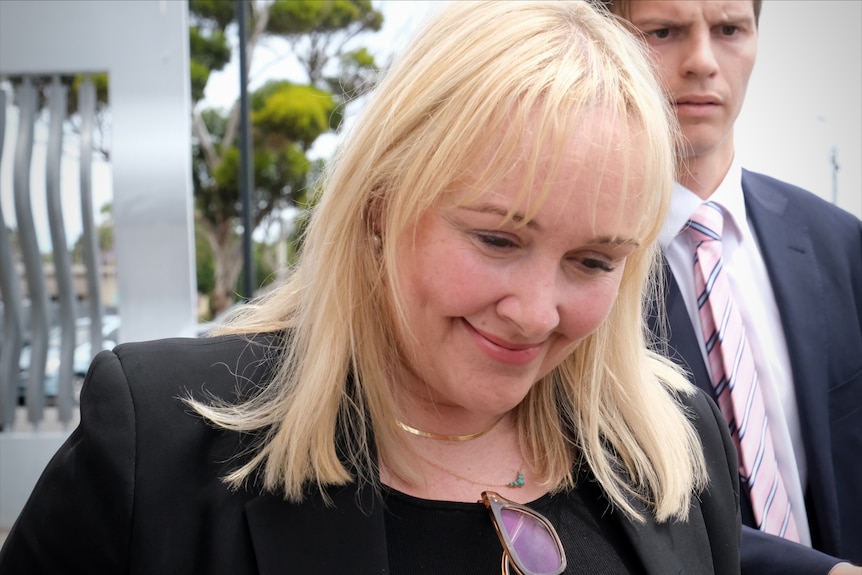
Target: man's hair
(621, 8)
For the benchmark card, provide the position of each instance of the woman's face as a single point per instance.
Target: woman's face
(494, 305)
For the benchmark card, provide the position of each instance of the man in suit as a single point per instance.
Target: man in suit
(794, 264)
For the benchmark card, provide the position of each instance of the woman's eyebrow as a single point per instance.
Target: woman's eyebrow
(517, 217)
(488, 208)
(614, 241)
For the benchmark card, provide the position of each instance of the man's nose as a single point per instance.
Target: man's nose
(699, 59)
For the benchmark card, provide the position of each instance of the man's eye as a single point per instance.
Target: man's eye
(729, 30)
(661, 33)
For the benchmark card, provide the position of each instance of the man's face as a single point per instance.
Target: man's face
(705, 51)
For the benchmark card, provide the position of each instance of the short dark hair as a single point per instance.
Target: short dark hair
(620, 7)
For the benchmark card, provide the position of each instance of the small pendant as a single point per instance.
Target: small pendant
(519, 482)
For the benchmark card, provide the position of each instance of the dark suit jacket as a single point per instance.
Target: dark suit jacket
(136, 487)
(813, 254)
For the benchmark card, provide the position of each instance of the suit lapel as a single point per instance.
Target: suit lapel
(313, 538)
(791, 263)
(795, 276)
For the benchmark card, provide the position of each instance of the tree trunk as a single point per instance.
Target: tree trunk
(227, 265)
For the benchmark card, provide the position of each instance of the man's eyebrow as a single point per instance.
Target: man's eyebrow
(670, 22)
(658, 22)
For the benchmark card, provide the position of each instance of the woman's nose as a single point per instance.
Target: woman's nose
(532, 304)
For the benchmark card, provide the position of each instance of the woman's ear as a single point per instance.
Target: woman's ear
(374, 214)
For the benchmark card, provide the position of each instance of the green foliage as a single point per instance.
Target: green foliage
(279, 176)
(105, 235)
(204, 262)
(106, 238)
(286, 167)
(361, 57)
(357, 72)
(305, 202)
(209, 48)
(263, 272)
(287, 117)
(100, 82)
(200, 75)
(216, 123)
(218, 13)
(289, 112)
(292, 17)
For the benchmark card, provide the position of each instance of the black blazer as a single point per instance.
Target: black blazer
(813, 254)
(137, 489)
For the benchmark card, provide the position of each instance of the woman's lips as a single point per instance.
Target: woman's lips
(502, 351)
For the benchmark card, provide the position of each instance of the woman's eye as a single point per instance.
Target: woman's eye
(495, 240)
(597, 264)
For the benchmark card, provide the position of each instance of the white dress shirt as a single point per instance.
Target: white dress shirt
(753, 296)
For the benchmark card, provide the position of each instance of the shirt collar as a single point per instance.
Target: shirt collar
(685, 202)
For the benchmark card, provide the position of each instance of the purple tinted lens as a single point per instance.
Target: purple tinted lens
(533, 544)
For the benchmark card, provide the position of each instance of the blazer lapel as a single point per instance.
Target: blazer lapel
(663, 548)
(668, 548)
(313, 538)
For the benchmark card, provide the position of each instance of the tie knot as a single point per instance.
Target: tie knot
(706, 223)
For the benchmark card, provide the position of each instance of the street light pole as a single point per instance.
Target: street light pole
(246, 174)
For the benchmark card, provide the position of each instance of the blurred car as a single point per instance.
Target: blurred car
(82, 357)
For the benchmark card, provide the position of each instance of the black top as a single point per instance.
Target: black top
(459, 538)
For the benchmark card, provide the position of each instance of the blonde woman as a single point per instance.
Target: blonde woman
(455, 378)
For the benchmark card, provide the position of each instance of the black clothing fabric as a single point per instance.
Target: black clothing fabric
(138, 488)
(417, 530)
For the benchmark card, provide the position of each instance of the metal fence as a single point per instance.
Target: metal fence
(143, 48)
(30, 312)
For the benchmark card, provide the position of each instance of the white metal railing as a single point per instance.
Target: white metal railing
(29, 311)
(143, 48)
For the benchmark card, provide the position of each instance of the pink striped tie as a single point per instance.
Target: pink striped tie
(734, 377)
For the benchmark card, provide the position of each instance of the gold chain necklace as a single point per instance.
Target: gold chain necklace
(516, 483)
(442, 437)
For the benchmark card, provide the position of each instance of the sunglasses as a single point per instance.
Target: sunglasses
(530, 543)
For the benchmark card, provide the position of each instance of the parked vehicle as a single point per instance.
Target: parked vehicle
(82, 357)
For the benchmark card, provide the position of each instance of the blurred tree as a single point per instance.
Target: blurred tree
(204, 263)
(264, 274)
(287, 117)
(105, 231)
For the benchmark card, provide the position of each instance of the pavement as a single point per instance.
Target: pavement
(50, 422)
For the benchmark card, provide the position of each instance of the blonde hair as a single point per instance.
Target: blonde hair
(465, 90)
